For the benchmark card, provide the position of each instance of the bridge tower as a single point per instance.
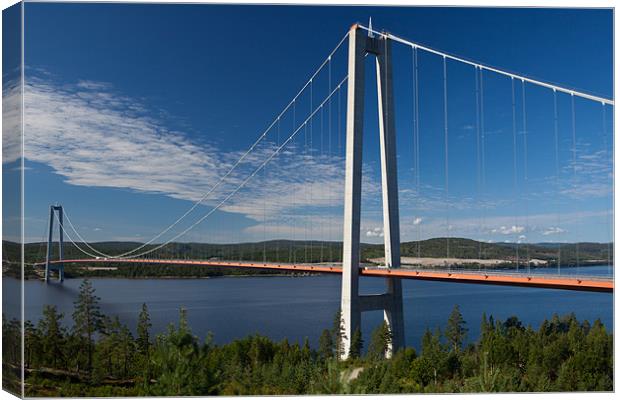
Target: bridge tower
(59, 265)
(391, 302)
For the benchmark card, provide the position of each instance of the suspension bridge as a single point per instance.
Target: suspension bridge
(318, 140)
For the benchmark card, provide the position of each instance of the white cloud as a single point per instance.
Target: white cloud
(477, 228)
(553, 230)
(92, 136)
(376, 232)
(11, 122)
(590, 175)
(514, 229)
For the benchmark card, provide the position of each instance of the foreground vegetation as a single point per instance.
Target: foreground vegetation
(297, 251)
(99, 356)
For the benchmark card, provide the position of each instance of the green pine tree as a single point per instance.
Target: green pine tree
(338, 334)
(144, 340)
(455, 329)
(31, 343)
(52, 337)
(87, 319)
(127, 350)
(326, 345)
(380, 341)
(178, 363)
(356, 344)
(433, 351)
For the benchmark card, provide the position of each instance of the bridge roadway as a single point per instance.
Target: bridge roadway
(567, 282)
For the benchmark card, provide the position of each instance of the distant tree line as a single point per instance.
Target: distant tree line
(100, 356)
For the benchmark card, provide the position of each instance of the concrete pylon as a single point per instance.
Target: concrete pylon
(59, 266)
(391, 302)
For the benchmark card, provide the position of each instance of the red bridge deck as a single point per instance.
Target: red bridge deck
(579, 283)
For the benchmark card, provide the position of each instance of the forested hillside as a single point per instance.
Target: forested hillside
(99, 356)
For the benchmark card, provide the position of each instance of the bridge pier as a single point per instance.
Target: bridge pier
(60, 265)
(391, 302)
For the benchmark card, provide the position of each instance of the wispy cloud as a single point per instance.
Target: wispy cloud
(93, 136)
(589, 175)
(11, 122)
(510, 230)
(553, 230)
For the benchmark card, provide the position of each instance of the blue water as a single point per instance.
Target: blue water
(298, 307)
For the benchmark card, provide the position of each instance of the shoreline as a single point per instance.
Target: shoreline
(295, 275)
(465, 267)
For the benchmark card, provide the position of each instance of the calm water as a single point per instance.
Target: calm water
(296, 307)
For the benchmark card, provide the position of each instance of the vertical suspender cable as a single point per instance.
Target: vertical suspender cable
(609, 217)
(320, 187)
(525, 177)
(309, 174)
(478, 168)
(304, 204)
(557, 169)
(265, 215)
(239, 249)
(329, 158)
(340, 245)
(514, 170)
(446, 153)
(416, 148)
(308, 182)
(482, 160)
(387, 109)
(413, 121)
(574, 129)
(293, 217)
(279, 202)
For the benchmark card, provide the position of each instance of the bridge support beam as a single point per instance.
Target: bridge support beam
(59, 265)
(352, 304)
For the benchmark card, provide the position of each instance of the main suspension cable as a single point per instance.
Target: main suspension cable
(68, 236)
(240, 160)
(488, 68)
(238, 188)
(66, 216)
(258, 169)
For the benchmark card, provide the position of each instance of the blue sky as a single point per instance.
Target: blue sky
(134, 111)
